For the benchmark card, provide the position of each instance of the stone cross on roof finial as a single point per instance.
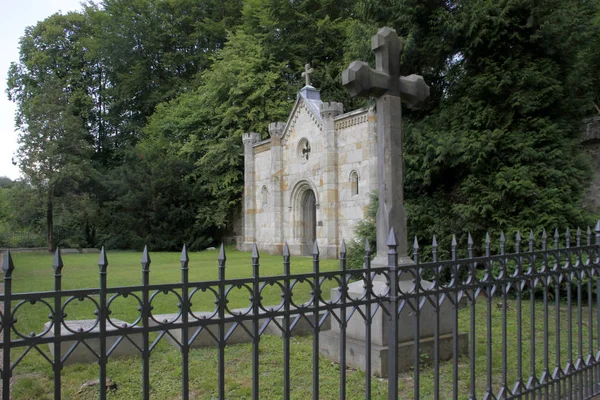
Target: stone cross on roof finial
(306, 74)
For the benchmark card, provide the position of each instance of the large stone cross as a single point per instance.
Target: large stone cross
(391, 90)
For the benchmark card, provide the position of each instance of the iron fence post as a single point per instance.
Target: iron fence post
(185, 310)
(454, 301)
(221, 330)
(145, 323)
(343, 295)
(368, 321)
(57, 317)
(596, 261)
(286, 321)
(102, 314)
(472, 339)
(316, 298)
(417, 319)
(519, 288)
(489, 290)
(255, 322)
(533, 381)
(436, 324)
(557, 281)
(7, 323)
(392, 244)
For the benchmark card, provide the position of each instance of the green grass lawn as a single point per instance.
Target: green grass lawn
(33, 272)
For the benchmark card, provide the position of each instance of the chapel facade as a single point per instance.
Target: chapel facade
(311, 179)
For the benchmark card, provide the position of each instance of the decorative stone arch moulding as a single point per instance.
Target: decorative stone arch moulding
(298, 190)
(295, 208)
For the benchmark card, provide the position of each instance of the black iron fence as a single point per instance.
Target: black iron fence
(535, 310)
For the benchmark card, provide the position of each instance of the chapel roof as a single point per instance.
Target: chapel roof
(312, 99)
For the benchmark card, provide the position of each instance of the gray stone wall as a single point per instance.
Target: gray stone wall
(591, 145)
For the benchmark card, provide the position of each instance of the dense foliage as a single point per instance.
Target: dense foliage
(131, 112)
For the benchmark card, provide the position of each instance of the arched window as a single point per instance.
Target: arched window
(354, 183)
(264, 194)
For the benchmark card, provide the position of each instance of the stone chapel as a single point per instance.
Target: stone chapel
(311, 179)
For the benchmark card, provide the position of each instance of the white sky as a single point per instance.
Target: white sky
(16, 16)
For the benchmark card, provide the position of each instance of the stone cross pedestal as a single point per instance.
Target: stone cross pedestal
(391, 90)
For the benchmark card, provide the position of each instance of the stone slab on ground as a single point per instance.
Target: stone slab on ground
(302, 327)
(356, 351)
(82, 354)
(204, 338)
(239, 335)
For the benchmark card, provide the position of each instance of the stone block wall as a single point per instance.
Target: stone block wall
(354, 155)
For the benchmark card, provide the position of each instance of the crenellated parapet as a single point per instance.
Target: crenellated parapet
(331, 109)
(276, 129)
(250, 138)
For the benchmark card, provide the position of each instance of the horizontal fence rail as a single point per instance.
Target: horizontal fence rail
(506, 325)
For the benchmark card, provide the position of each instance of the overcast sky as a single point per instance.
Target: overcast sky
(16, 16)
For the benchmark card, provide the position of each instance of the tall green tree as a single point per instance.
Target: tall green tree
(49, 85)
(205, 126)
(152, 50)
(501, 150)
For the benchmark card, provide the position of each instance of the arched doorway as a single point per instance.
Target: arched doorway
(309, 221)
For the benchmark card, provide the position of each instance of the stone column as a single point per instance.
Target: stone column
(328, 239)
(249, 139)
(276, 132)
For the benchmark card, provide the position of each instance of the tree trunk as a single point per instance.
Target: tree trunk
(50, 219)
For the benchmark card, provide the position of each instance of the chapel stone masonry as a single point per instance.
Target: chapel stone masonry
(311, 179)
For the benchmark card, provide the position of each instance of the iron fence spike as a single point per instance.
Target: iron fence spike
(367, 245)
(454, 240)
(315, 250)
(589, 231)
(255, 251)
(222, 257)
(103, 261)
(568, 234)
(434, 242)
(597, 227)
(8, 265)
(470, 240)
(184, 254)
(145, 256)
(531, 236)
(286, 249)
(556, 234)
(488, 240)
(416, 243)
(391, 239)
(343, 247)
(502, 237)
(518, 236)
(544, 234)
(57, 264)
